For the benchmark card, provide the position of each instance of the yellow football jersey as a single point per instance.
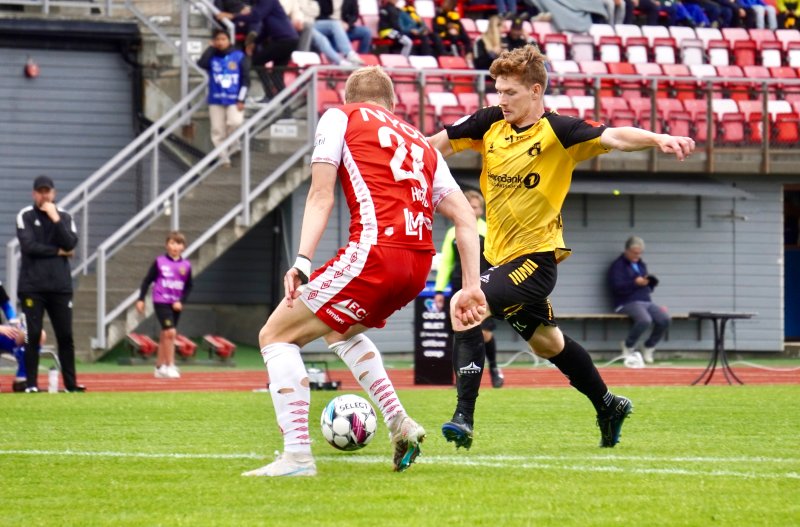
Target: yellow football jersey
(525, 177)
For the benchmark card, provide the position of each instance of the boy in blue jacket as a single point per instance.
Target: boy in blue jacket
(229, 79)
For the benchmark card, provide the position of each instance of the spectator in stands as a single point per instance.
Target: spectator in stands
(716, 16)
(275, 42)
(447, 24)
(172, 275)
(506, 8)
(228, 81)
(517, 37)
(405, 27)
(229, 9)
(788, 13)
(616, 11)
(302, 14)
(647, 8)
(731, 13)
(489, 45)
(347, 14)
(389, 27)
(449, 273)
(328, 36)
(47, 238)
(759, 14)
(631, 286)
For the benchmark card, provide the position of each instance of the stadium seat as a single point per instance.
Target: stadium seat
(621, 118)
(370, 59)
(402, 81)
(469, 101)
(409, 104)
(557, 102)
(627, 31)
(681, 33)
(692, 51)
(610, 105)
(786, 128)
(571, 112)
(735, 34)
(141, 345)
(793, 54)
(787, 36)
(679, 123)
(708, 35)
(762, 36)
(681, 81)
(771, 53)
(644, 119)
(219, 347)
(601, 30)
(625, 68)
(585, 104)
(641, 106)
(637, 50)
(555, 46)
(744, 52)
(664, 50)
(695, 107)
(776, 107)
(458, 84)
(482, 24)
(700, 127)
(735, 90)
(184, 347)
(470, 27)
(327, 98)
(702, 71)
(426, 65)
(573, 86)
(492, 99)
(654, 32)
(718, 53)
(542, 28)
(610, 49)
(439, 100)
(581, 48)
(755, 128)
(593, 68)
(720, 107)
(426, 9)
(732, 128)
(749, 107)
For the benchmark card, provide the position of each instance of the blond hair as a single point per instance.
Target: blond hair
(526, 63)
(474, 194)
(370, 84)
(493, 36)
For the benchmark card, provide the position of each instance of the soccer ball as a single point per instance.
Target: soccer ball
(349, 422)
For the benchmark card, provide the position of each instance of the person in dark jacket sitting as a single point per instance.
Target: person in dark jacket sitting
(631, 286)
(47, 239)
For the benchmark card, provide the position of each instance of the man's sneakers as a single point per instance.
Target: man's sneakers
(31, 389)
(78, 388)
(458, 430)
(625, 349)
(610, 420)
(287, 464)
(406, 435)
(497, 377)
(648, 354)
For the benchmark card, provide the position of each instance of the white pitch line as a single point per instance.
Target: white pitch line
(505, 462)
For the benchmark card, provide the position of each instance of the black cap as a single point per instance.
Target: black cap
(42, 182)
(516, 23)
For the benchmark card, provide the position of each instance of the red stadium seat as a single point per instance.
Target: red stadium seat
(731, 128)
(555, 46)
(469, 101)
(735, 90)
(592, 68)
(610, 48)
(786, 128)
(744, 52)
(787, 36)
(637, 50)
(664, 50)
(219, 347)
(679, 123)
(762, 36)
(695, 107)
(457, 84)
(622, 118)
(681, 83)
(327, 98)
(755, 128)
(736, 34)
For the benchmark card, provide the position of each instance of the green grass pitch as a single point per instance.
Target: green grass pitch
(689, 456)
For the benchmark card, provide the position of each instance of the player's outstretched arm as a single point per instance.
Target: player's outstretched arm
(471, 304)
(441, 142)
(319, 205)
(629, 139)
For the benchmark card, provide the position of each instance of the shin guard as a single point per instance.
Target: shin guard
(469, 354)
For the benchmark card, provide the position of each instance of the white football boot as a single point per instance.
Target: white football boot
(287, 464)
(406, 435)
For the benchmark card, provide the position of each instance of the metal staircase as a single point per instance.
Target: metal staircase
(124, 210)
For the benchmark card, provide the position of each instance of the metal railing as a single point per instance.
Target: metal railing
(128, 165)
(169, 201)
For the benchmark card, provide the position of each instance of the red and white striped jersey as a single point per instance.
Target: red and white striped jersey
(392, 178)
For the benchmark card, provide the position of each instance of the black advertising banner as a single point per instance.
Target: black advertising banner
(433, 339)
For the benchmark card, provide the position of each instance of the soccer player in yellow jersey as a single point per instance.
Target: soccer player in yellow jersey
(528, 158)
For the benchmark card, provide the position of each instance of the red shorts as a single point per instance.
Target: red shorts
(365, 284)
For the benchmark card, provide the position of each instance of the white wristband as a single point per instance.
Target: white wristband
(303, 265)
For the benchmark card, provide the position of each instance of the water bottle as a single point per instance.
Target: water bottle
(52, 381)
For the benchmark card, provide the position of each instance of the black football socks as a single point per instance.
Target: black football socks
(469, 354)
(574, 362)
(491, 353)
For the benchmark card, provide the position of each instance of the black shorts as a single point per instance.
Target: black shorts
(518, 291)
(167, 317)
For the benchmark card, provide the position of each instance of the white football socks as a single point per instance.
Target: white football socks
(291, 397)
(361, 355)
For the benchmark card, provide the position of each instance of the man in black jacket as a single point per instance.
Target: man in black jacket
(47, 239)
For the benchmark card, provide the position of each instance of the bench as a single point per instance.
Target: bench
(605, 317)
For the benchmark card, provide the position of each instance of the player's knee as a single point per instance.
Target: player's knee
(547, 342)
(169, 333)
